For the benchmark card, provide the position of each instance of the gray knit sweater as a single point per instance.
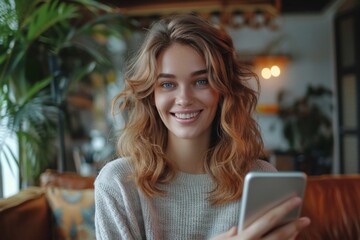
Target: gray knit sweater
(123, 212)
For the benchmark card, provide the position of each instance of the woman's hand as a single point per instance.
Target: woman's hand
(262, 227)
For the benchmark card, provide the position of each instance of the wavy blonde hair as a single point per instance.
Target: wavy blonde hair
(236, 141)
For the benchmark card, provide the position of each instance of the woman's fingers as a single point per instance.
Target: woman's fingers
(288, 231)
(271, 219)
(266, 227)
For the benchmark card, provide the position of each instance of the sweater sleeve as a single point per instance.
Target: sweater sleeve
(116, 206)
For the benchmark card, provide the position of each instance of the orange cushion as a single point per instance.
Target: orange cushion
(73, 212)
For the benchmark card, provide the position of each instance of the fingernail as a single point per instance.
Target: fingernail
(297, 200)
(305, 221)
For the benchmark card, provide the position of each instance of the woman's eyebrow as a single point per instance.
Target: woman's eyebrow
(169, 75)
(199, 72)
(165, 75)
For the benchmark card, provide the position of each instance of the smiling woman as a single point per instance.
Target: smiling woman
(189, 141)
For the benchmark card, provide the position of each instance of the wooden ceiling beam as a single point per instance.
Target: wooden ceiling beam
(150, 9)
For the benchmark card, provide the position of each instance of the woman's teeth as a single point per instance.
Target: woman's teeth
(186, 115)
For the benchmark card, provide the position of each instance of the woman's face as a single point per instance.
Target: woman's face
(185, 100)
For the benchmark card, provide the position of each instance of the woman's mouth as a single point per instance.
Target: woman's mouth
(186, 115)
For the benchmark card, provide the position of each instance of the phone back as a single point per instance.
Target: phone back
(265, 190)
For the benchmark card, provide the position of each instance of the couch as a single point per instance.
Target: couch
(331, 201)
(333, 204)
(61, 208)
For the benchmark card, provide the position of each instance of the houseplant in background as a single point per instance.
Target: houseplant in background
(307, 126)
(68, 34)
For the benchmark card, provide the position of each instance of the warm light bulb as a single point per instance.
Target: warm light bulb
(266, 73)
(275, 71)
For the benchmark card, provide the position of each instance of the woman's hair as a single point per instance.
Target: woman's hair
(236, 141)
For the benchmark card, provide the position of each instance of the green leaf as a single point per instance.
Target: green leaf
(48, 15)
(8, 22)
(11, 62)
(24, 9)
(35, 89)
(94, 6)
(80, 74)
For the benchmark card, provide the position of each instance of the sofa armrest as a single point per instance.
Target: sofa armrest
(68, 180)
(332, 203)
(26, 215)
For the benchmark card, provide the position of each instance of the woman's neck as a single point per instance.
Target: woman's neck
(188, 154)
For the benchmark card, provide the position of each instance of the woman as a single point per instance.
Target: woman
(188, 142)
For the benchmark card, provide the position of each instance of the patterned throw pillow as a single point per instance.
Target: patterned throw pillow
(73, 212)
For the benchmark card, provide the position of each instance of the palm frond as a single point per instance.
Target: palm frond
(94, 6)
(72, 31)
(8, 22)
(35, 89)
(48, 15)
(24, 9)
(7, 152)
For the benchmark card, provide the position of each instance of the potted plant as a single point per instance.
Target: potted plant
(46, 46)
(307, 127)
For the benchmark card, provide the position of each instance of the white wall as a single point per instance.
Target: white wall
(307, 39)
(10, 184)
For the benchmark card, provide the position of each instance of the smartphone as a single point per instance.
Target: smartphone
(264, 190)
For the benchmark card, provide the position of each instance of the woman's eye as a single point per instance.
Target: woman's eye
(167, 85)
(202, 82)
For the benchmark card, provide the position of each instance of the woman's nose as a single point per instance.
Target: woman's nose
(184, 97)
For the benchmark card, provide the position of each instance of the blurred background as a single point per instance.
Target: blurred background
(62, 62)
